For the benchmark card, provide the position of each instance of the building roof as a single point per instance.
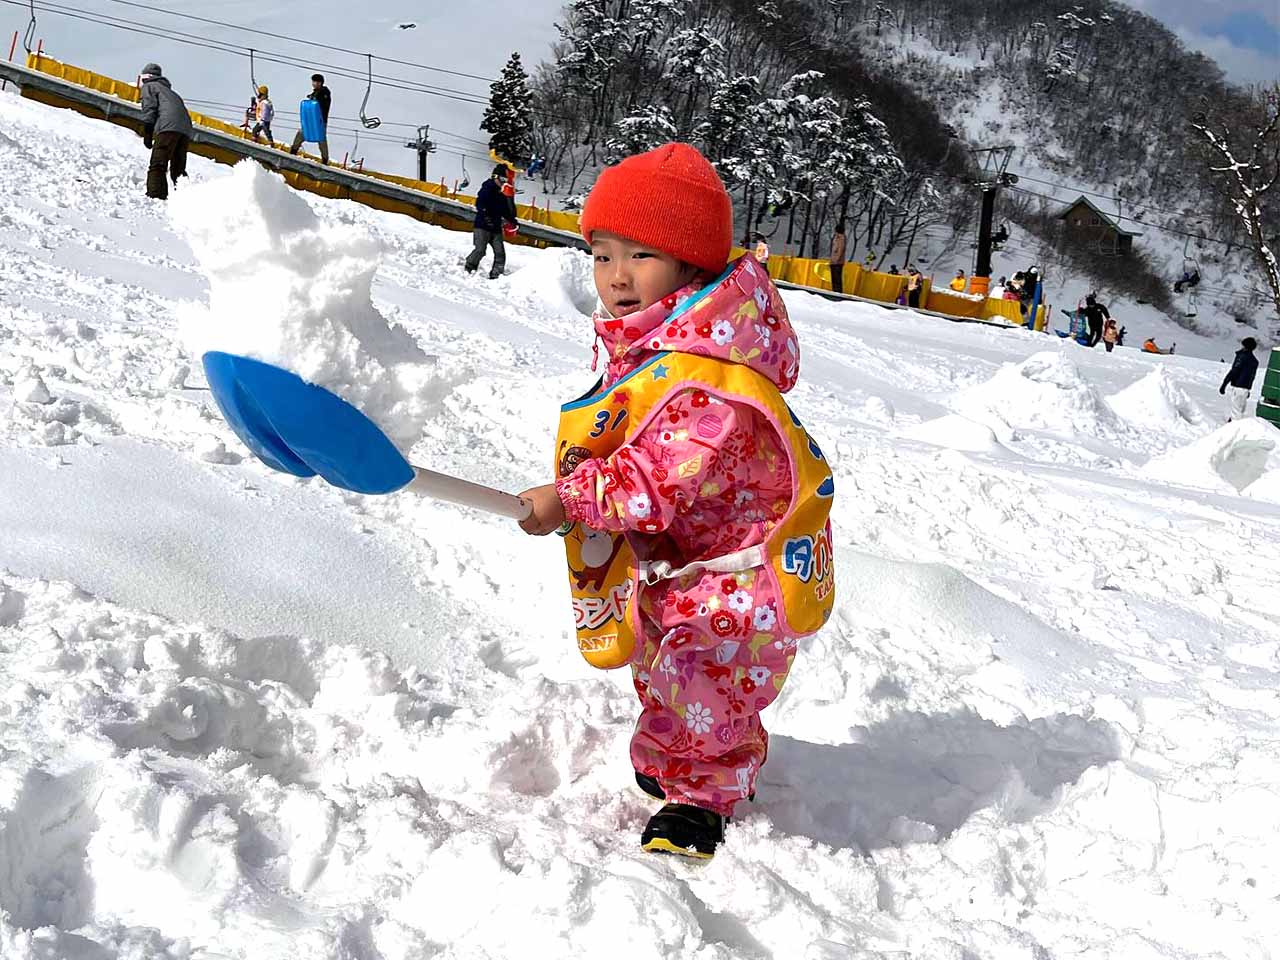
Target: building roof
(1105, 219)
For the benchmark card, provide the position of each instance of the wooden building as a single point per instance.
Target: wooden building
(1087, 226)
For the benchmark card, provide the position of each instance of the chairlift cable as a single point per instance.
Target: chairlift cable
(222, 46)
(309, 43)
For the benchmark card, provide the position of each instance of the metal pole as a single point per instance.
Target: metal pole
(1035, 306)
(4, 84)
(983, 269)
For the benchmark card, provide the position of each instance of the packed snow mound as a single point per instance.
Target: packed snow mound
(292, 291)
(1266, 487)
(957, 433)
(1046, 392)
(1156, 401)
(560, 280)
(1233, 457)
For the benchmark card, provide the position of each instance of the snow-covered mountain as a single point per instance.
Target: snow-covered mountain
(248, 717)
(884, 115)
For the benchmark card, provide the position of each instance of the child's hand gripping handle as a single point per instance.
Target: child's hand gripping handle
(428, 483)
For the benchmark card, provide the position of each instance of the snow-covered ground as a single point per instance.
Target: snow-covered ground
(247, 716)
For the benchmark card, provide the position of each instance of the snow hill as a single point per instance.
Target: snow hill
(246, 716)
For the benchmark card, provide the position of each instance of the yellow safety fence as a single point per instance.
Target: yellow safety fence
(858, 281)
(804, 272)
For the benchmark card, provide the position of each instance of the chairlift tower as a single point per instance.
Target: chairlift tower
(993, 174)
(424, 146)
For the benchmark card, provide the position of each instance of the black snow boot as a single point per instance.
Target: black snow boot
(650, 785)
(684, 830)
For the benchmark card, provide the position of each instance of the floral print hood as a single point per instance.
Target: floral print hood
(739, 317)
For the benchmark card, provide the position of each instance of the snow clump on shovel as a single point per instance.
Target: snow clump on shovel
(290, 290)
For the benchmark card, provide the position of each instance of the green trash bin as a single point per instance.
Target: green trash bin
(1268, 410)
(1271, 385)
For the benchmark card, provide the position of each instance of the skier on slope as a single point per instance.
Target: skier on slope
(686, 454)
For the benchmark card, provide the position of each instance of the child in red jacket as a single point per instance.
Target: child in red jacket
(694, 504)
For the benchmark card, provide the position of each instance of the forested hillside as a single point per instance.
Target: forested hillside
(865, 111)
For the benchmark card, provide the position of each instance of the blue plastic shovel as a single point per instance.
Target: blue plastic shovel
(302, 429)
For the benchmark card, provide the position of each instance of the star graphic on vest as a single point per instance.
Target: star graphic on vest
(660, 372)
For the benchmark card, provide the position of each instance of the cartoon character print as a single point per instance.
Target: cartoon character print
(570, 457)
(599, 550)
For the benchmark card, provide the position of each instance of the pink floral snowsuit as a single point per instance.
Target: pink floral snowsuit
(712, 654)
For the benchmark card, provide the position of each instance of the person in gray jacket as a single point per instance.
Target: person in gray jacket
(166, 131)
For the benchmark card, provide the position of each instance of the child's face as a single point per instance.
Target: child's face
(630, 276)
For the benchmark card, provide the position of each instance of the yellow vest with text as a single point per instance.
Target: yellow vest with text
(603, 571)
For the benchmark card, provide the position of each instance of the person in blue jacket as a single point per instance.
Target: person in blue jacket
(319, 93)
(492, 209)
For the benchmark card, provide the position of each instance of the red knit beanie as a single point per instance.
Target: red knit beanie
(670, 199)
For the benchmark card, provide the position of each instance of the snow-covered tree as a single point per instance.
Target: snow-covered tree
(725, 128)
(509, 117)
(1246, 164)
(645, 129)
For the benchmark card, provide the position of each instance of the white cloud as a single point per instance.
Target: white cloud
(1240, 64)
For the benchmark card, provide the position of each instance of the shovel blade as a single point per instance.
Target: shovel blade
(302, 429)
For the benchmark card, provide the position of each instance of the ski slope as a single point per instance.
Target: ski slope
(247, 716)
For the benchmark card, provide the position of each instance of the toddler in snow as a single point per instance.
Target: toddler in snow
(692, 502)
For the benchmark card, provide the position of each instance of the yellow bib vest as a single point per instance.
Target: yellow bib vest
(603, 570)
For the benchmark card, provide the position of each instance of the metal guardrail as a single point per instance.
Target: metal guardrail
(111, 107)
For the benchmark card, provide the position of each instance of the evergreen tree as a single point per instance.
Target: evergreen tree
(645, 129)
(724, 130)
(509, 117)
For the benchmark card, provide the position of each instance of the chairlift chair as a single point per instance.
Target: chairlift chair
(1190, 278)
(370, 123)
(466, 178)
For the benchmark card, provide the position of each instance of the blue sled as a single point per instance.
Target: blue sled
(299, 428)
(312, 121)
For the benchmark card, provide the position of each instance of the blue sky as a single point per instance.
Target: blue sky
(1243, 36)
(1249, 29)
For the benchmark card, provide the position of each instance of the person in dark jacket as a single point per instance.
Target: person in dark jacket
(492, 209)
(166, 131)
(319, 93)
(1096, 314)
(837, 259)
(1239, 380)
